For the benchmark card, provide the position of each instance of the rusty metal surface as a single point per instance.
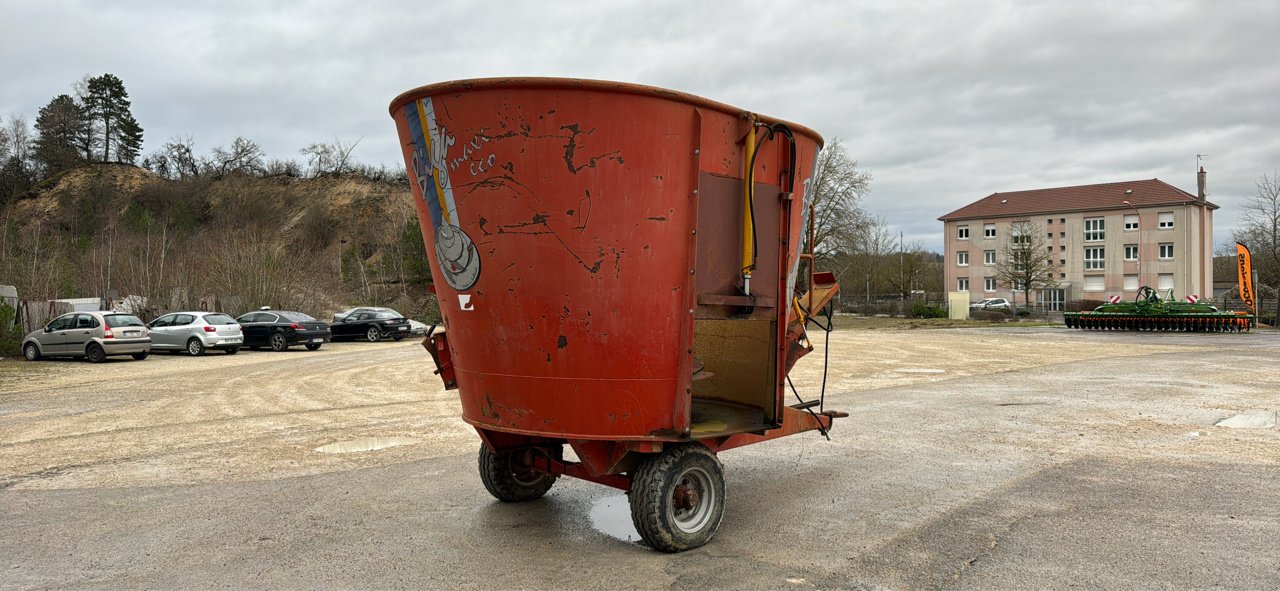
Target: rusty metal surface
(563, 219)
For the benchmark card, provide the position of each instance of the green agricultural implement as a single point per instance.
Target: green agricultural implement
(1149, 312)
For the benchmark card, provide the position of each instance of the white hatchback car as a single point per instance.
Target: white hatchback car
(196, 332)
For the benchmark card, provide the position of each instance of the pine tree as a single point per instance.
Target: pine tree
(60, 128)
(107, 103)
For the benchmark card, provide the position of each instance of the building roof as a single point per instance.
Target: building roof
(1104, 196)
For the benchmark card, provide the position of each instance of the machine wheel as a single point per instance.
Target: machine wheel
(232, 350)
(195, 347)
(677, 498)
(506, 477)
(141, 356)
(278, 342)
(373, 335)
(31, 352)
(313, 346)
(94, 353)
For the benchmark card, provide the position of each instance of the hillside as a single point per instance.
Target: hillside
(234, 243)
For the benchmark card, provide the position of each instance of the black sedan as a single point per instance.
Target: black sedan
(279, 329)
(370, 324)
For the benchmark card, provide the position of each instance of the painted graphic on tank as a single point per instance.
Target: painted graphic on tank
(455, 251)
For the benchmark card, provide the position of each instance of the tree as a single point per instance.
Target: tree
(837, 187)
(17, 168)
(60, 127)
(242, 156)
(1026, 263)
(326, 159)
(107, 103)
(1259, 230)
(176, 160)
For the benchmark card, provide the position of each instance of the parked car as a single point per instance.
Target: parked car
(92, 335)
(370, 324)
(991, 304)
(279, 329)
(196, 332)
(417, 328)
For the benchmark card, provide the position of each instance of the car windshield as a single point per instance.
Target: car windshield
(386, 315)
(118, 320)
(296, 316)
(217, 319)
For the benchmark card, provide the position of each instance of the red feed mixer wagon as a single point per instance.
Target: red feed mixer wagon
(620, 270)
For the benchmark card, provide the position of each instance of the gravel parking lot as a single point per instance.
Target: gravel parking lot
(973, 458)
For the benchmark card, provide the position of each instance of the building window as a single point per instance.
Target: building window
(1049, 221)
(988, 257)
(1062, 248)
(1165, 281)
(1062, 275)
(962, 232)
(989, 231)
(1166, 220)
(962, 284)
(962, 258)
(1131, 252)
(1095, 282)
(1094, 229)
(1053, 299)
(1062, 261)
(1166, 251)
(1131, 222)
(1094, 258)
(1130, 282)
(989, 284)
(1062, 234)
(1049, 236)
(1049, 248)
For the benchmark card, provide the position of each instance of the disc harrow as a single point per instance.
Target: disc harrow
(1148, 312)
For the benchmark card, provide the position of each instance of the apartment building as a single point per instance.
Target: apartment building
(1105, 240)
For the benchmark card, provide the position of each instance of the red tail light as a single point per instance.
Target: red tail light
(294, 326)
(107, 334)
(210, 329)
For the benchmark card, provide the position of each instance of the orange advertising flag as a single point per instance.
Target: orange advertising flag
(1245, 266)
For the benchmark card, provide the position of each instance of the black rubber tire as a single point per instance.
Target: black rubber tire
(32, 352)
(95, 353)
(397, 337)
(373, 335)
(513, 485)
(279, 342)
(232, 350)
(313, 346)
(195, 348)
(141, 356)
(654, 511)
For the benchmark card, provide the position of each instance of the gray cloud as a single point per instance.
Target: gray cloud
(945, 102)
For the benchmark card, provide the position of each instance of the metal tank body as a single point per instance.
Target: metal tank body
(586, 241)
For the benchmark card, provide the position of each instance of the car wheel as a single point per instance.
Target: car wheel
(313, 346)
(279, 342)
(233, 350)
(141, 356)
(95, 353)
(31, 352)
(397, 337)
(373, 335)
(195, 347)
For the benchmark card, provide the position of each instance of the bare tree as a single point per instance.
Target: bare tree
(1259, 230)
(837, 188)
(330, 158)
(243, 156)
(176, 160)
(1026, 263)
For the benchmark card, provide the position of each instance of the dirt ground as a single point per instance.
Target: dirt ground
(260, 415)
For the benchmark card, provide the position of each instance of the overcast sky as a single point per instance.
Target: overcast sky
(943, 102)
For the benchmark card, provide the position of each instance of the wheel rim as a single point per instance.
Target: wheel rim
(522, 474)
(277, 342)
(95, 353)
(30, 352)
(373, 335)
(692, 500)
(194, 347)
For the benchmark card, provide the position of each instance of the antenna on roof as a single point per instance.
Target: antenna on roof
(1198, 158)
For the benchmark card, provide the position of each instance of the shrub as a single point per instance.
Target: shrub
(10, 335)
(920, 309)
(989, 315)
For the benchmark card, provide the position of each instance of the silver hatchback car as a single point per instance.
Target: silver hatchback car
(92, 335)
(196, 332)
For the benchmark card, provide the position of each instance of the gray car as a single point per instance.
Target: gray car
(92, 335)
(196, 332)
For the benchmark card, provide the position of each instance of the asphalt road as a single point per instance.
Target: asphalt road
(1037, 471)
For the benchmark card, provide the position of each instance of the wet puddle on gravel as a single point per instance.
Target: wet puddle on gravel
(612, 516)
(368, 444)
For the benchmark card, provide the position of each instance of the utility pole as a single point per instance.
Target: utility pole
(901, 266)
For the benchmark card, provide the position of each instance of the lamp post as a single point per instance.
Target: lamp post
(1139, 253)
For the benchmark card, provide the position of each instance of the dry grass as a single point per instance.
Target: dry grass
(874, 323)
